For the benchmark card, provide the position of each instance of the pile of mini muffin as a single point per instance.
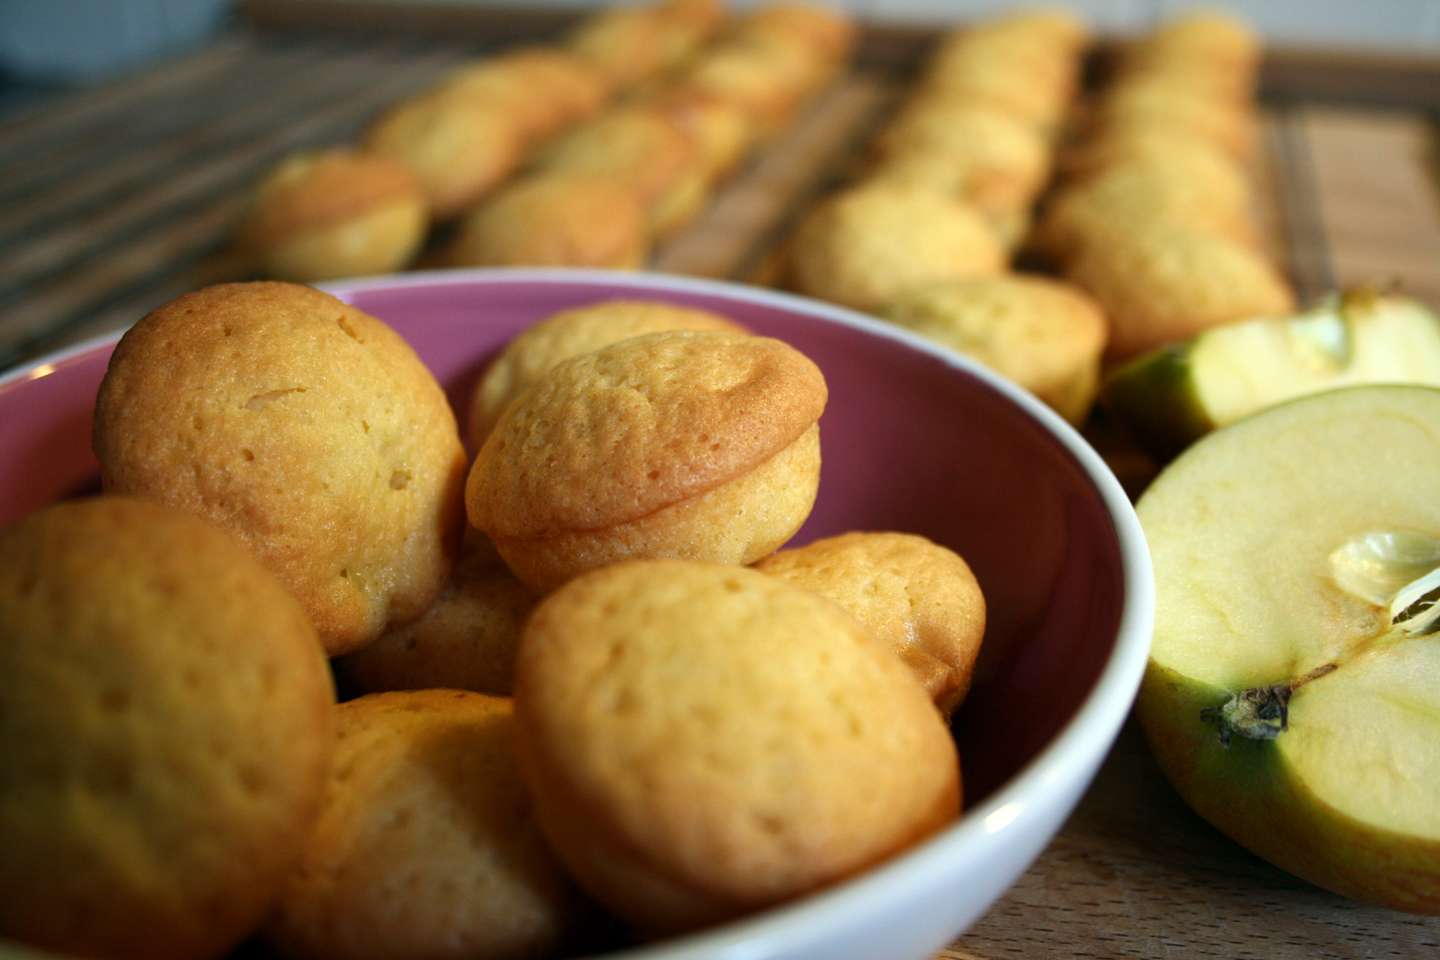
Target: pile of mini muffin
(1048, 230)
(306, 674)
(583, 152)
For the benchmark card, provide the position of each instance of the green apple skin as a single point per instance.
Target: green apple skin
(1249, 793)
(1244, 530)
(1171, 397)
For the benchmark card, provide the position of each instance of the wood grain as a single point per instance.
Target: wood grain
(1135, 873)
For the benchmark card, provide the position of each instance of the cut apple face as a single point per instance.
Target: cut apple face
(1293, 689)
(1172, 397)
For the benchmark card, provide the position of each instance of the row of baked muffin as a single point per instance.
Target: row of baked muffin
(1141, 193)
(580, 152)
(1156, 210)
(925, 235)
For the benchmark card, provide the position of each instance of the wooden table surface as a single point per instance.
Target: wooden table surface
(116, 199)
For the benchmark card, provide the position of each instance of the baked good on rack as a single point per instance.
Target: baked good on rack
(533, 352)
(1197, 190)
(862, 246)
(641, 146)
(635, 43)
(1162, 283)
(1232, 127)
(306, 428)
(464, 640)
(918, 597)
(425, 846)
(1209, 51)
(459, 147)
(165, 732)
(719, 127)
(1044, 334)
(324, 214)
(693, 444)
(702, 740)
(547, 88)
(982, 153)
(555, 220)
(826, 30)
(1025, 62)
(1157, 147)
(771, 60)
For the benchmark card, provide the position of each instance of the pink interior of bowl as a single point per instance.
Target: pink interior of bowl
(911, 441)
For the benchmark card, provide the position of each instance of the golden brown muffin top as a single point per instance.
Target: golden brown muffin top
(307, 428)
(555, 219)
(919, 597)
(619, 433)
(165, 737)
(534, 351)
(745, 740)
(317, 188)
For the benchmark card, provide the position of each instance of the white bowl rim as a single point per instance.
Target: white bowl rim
(1072, 756)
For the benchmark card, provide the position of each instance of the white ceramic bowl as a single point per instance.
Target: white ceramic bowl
(915, 438)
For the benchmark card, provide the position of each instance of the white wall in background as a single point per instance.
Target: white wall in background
(68, 40)
(1401, 26)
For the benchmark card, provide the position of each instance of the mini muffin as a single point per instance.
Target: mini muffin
(772, 60)
(165, 732)
(1226, 179)
(1053, 28)
(693, 444)
(325, 214)
(459, 147)
(918, 597)
(530, 355)
(1045, 335)
(686, 26)
(308, 429)
(464, 640)
(426, 845)
(555, 220)
(720, 128)
(767, 82)
(639, 145)
(1162, 284)
(823, 28)
(634, 43)
(1000, 201)
(1002, 162)
(548, 88)
(703, 740)
(1106, 207)
(1229, 126)
(1211, 36)
(1031, 75)
(865, 245)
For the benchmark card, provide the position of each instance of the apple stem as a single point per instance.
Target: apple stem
(1259, 713)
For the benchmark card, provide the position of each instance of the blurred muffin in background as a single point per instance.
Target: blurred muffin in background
(332, 213)
(1044, 334)
(560, 220)
(864, 245)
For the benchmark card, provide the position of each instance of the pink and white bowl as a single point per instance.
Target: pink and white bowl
(915, 438)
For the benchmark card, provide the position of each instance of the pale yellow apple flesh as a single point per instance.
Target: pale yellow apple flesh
(1172, 397)
(1293, 690)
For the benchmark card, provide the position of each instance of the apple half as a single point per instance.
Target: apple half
(1171, 397)
(1293, 690)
